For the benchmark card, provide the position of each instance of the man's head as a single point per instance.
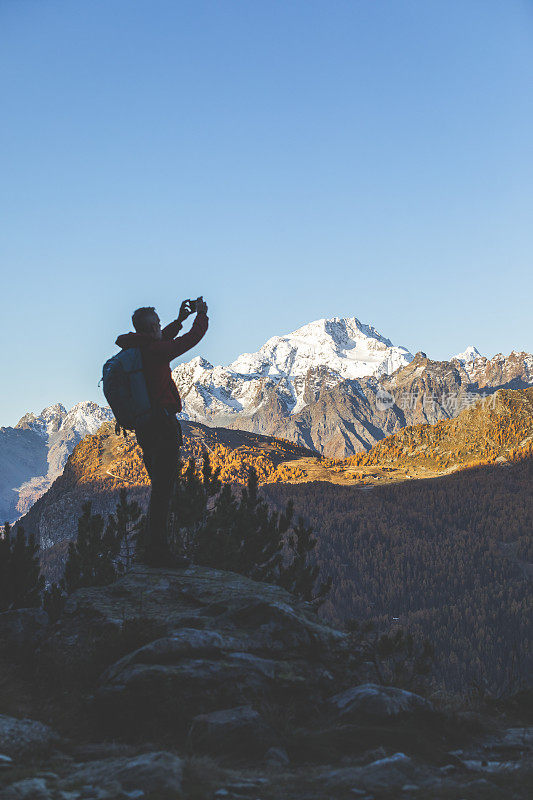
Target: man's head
(146, 320)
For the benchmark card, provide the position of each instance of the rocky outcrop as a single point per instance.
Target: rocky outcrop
(217, 640)
(369, 701)
(157, 774)
(393, 773)
(201, 684)
(22, 629)
(24, 737)
(238, 732)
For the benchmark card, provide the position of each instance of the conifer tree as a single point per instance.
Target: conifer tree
(300, 576)
(54, 599)
(5, 568)
(27, 581)
(243, 534)
(259, 533)
(215, 543)
(20, 581)
(100, 553)
(91, 558)
(122, 528)
(189, 505)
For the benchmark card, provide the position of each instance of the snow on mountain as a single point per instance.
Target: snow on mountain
(86, 417)
(83, 418)
(500, 370)
(470, 354)
(340, 348)
(346, 346)
(35, 451)
(46, 423)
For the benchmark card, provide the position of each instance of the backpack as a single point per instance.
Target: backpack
(125, 389)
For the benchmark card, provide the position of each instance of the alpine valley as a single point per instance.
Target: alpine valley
(335, 386)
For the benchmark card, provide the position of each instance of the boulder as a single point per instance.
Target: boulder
(159, 647)
(25, 737)
(261, 615)
(157, 774)
(279, 626)
(238, 732)
(149, 698)
(29, 789)
(516, 739)
(370, 701)
(186, 643)
(389, 774)
(23, 629)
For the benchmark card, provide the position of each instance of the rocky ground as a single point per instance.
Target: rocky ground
(203, 684)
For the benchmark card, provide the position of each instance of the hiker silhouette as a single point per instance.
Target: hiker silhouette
(145, 363)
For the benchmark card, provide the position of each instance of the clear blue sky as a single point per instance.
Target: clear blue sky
(287, 159)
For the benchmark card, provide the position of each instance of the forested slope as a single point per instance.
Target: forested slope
(494, 428)
(450, 557)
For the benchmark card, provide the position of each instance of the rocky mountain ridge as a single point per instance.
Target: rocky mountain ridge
(327, 386)
(344, 417)
(35, 451)
(327, 350)
(514, 370)
(495, 429)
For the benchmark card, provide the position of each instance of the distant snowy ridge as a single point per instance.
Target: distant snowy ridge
(83, 418)
(332, 349)
(498, 370)
(470, 354)
(33, 453)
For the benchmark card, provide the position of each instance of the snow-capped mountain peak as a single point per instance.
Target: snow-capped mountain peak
(470, 354)
(47, 423)
(35, 461)
(86, 417)
(348, 348)
(83, 418)
(345, 345)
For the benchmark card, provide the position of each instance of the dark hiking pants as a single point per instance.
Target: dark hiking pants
(160, 440)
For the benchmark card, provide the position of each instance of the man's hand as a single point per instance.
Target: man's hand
(185, 311)
(201, 306)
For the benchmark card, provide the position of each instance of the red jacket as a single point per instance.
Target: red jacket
(157, 355)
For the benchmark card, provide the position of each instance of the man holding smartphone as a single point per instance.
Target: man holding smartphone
(160, 438)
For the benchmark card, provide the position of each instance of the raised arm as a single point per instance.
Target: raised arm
(171, 330)
(171, 346)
